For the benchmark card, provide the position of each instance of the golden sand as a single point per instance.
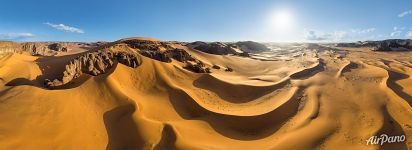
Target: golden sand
(310, 102)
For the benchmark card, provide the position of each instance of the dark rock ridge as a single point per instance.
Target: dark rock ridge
(238, 48)
(94, 63)
(162, 51)
(251, 47)
(180, 55)
(385, 45)
(57, 47)
(147, 45)
(167, 55)
(217, 48)
(43, 48)
(139, 43)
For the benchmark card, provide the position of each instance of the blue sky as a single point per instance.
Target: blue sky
(206, 20)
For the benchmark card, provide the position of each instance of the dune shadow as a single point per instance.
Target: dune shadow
(391, 127)
(121, 128)
(391, 83)
(235, 93)
(309, 72)
(168, 140)
(244, 128)
(20, 81)
(52, 68)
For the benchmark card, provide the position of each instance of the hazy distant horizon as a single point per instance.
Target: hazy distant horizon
(213, 20)
(319, 42)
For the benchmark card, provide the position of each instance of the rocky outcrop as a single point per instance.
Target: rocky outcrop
(139, 43)
(36, 48)
(393, 45)
(147, 45)
(385, 45)
(167, 55)
(239, 48)
(9, 47)
(217, 48)
(228, 69)
(94, 63)
(197, 66)
(57, 47)
(251, 47)
(44, 48)
(161, 51)
(180, 55)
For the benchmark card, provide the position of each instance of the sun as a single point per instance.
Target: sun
(282, 20)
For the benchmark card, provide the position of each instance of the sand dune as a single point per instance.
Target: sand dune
(311, 102)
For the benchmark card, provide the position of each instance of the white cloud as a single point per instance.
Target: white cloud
(409, 34)
(64, 27)
(334, 36)
(397, 31)
(339, 35)
(15, 36)
(312, 36)
(363, 31)
(403, 14)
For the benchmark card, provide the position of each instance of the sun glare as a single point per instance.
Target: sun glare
(282, 20)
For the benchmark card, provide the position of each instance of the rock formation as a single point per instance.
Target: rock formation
(167, 55)
(197, 66)
(94, 63)
(238, 48)
(37, 48)
(251, 47)
(217, 48)
(161, 51)
(57, 47)
(9, 47)
(43, 48)
(228, 69)
(393, 45)
(385, 45)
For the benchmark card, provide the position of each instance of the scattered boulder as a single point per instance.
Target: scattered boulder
(228, 69)
(244, 54)
(215, 67)
(197, 67)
